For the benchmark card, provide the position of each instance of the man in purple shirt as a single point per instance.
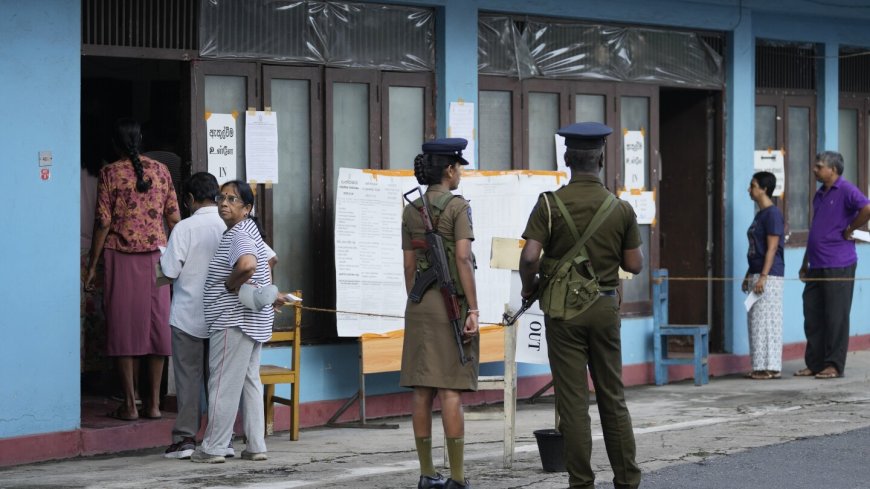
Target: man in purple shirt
(838, 209)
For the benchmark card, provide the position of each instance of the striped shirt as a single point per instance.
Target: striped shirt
(223, 308)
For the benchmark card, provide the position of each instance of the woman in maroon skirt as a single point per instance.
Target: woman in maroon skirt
(135, 200)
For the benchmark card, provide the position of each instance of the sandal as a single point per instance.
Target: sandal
(121, 415)
(761, 375)
(804, 372)
(775, 374)
(828, 373)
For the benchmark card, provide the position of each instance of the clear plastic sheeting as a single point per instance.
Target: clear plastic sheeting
(339, 34)
(596, 52)
(501, 50)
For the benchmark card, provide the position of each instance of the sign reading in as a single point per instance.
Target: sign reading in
(221, 142)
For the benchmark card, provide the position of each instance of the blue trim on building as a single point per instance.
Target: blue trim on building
(40, 57)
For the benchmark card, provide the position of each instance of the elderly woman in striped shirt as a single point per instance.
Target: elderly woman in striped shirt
(236, 330)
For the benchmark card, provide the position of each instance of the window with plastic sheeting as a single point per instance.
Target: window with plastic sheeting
(558, 49)
(336, 34)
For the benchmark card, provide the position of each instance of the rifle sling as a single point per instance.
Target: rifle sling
(601, 214)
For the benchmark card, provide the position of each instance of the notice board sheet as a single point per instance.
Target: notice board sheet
(368, 244)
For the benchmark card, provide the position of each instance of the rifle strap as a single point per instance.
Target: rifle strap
(601, 214)
(440, 204)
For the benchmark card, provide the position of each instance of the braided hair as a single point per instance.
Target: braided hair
(429, 168)
(128, 140)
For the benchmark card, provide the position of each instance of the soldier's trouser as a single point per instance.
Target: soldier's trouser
(592, 338)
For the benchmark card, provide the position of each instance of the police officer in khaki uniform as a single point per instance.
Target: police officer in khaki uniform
(430, 359)
(592, 337)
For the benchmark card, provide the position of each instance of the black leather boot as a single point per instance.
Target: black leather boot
(431, 482)
(452, 484)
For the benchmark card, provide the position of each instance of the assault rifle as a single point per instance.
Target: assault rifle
(439, 271)
(527, 303)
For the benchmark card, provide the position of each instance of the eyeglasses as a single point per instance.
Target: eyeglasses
(231, 199)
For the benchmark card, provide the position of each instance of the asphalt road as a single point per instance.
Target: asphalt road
(831, 462)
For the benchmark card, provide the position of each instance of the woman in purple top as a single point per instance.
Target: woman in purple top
(765, 277)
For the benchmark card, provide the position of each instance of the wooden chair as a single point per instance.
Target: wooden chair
(662, 330)
(273, 374)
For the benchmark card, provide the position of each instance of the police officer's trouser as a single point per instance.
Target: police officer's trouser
(592, 338)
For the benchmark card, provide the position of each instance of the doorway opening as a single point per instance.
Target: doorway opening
(153, 92)
(691, 207)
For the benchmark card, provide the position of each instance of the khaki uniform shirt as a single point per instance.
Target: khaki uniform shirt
(454, 223)
(430, 357)
(582, 197)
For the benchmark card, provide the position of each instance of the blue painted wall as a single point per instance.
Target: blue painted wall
(39, 89)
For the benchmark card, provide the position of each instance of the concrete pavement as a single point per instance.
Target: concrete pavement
(674, 424)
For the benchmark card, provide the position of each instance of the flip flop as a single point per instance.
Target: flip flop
(761, 375)
(804, 372)
(151, 417)
(828, 373)
(774, 374)
(121, 399)
(119, 414)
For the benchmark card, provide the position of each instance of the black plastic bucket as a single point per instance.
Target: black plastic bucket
(551, 446)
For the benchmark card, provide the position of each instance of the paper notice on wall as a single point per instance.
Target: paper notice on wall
(560, 154)
(221, 142)
(261, 147)
(773, 162)
(531, 336)
(369, 277)
(368, 250)
(643, 202)
(635, 159)
(460, 124)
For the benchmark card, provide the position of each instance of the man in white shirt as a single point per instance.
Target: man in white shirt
(191, 246)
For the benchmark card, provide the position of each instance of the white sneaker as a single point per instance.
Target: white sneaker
(206, 458)
(231, 452)
(255, 456)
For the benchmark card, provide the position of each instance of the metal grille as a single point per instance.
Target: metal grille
(152, 24)
(854, 70)
(715, 41)
(785, 66)
(345, 34)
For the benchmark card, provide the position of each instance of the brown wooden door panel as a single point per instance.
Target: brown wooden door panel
(683, 202)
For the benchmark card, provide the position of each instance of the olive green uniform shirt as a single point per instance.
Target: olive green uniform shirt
(582, 197)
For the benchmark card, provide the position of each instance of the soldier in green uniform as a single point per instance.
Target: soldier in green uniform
(430, 360)
(582, 312)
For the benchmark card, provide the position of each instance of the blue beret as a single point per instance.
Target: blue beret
(585, 135)
(446, 146)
